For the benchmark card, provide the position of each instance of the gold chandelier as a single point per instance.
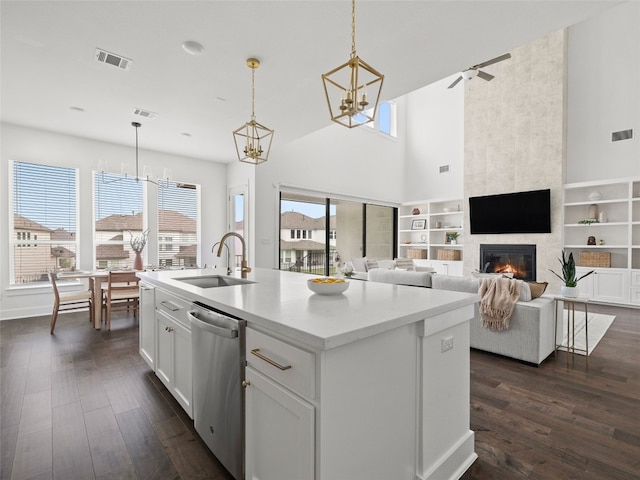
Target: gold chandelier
(253, 140)
(349, 87)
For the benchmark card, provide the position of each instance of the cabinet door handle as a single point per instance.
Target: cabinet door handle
(246, 383)
(256, 352)
(171, 306)
(168, 329)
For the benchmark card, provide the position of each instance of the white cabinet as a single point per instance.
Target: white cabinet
(609, 285)
(173, 354)
(280, 432)
(427, 227)
(604, 217)
(147, 326)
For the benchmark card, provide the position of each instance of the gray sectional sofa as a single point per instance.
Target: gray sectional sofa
(531, 334)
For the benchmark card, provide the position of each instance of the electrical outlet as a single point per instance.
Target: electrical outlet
(447, 343)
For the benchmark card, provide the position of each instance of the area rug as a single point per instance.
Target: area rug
(598, 326)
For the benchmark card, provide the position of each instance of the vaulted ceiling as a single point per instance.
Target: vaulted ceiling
(51, 79)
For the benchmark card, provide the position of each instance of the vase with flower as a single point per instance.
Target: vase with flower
(138, 243)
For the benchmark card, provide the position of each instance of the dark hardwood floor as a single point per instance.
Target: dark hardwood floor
(82, 404)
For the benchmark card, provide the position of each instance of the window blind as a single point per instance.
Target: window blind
(44, 224)
(178, 225)
(118, 215)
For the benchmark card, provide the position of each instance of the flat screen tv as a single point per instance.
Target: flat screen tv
(520, 212)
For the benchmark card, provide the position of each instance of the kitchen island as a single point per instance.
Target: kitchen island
(371, 384)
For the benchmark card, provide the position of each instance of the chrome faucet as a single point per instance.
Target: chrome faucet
(228, 256)
(244, 268)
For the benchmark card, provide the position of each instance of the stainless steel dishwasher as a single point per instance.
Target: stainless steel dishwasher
(218, 343)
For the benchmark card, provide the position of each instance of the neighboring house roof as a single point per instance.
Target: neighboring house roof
(111, 252)
(187, 251)
(295, 220)
(171, 221)
(23, 223)
(115, 223)
(62, 234)
(168, 221)
(62, 252)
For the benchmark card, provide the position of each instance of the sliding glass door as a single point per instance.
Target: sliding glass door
(319, 235)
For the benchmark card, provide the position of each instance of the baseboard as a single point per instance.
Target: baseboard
(455, 462)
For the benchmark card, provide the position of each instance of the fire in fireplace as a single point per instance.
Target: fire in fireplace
(519, 259)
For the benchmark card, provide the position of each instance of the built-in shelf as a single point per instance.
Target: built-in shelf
(620, 234)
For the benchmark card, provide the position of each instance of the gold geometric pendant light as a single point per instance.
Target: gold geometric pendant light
(253, 140)
(350, 87)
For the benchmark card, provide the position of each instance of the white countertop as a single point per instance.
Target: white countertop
(282, 303)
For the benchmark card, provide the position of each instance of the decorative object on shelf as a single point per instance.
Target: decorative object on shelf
(452, 255)
(418, 253)
(423, 238)
(593, 211)
(416, 211)
(445, 210)
(137, 245)
(146, 171)
(438, 224)
(569, 289)
(602, 218)
(591, 240)
(418, 224)
(594, 259)
(349, 87)
(253, 139)
(451, 238)
(588, 221)
(601, 242)
(595, 196)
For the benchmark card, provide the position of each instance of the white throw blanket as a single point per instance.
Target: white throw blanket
(499, 297)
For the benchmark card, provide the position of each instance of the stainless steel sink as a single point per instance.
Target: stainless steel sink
(213, 281)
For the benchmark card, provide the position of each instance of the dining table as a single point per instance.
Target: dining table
(98, 277)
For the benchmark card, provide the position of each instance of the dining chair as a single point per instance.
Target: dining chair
(69, 301)
(122, 293)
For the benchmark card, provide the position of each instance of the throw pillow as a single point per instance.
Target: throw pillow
(404, 263)
(372, 263)
(537, 288)
(359, 265)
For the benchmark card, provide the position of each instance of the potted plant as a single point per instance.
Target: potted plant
(137, 245)
(453, 237)
(569, 289)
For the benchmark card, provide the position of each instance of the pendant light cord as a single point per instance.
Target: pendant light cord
(253, 92)
(353, 29)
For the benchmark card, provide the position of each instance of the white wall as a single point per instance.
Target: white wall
(37, 146)
(604, 95)
(435, 137)
(357, 163)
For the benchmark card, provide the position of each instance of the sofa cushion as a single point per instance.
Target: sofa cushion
(471, 285)
(371, 263)
(401, 277)
(404, 263)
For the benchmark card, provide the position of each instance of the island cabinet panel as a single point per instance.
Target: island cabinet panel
(147, 327)
(279, 415)
(280, 434)
(173, 353)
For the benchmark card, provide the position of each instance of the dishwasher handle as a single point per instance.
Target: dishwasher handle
(219, 328)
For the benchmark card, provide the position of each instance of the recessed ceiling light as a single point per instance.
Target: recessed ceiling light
(77, 109)
(192, 48)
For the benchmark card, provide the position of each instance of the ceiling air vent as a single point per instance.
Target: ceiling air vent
(622, 135)
(444, 168)
(144, 113)
(112, 59)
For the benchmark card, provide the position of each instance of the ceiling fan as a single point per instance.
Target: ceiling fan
(475, 71)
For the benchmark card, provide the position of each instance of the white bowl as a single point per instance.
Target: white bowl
(327, 288)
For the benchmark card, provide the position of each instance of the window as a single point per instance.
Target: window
(44, 209)
(385, 121)
(118, 217)
(178, 222)
(366, 229)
